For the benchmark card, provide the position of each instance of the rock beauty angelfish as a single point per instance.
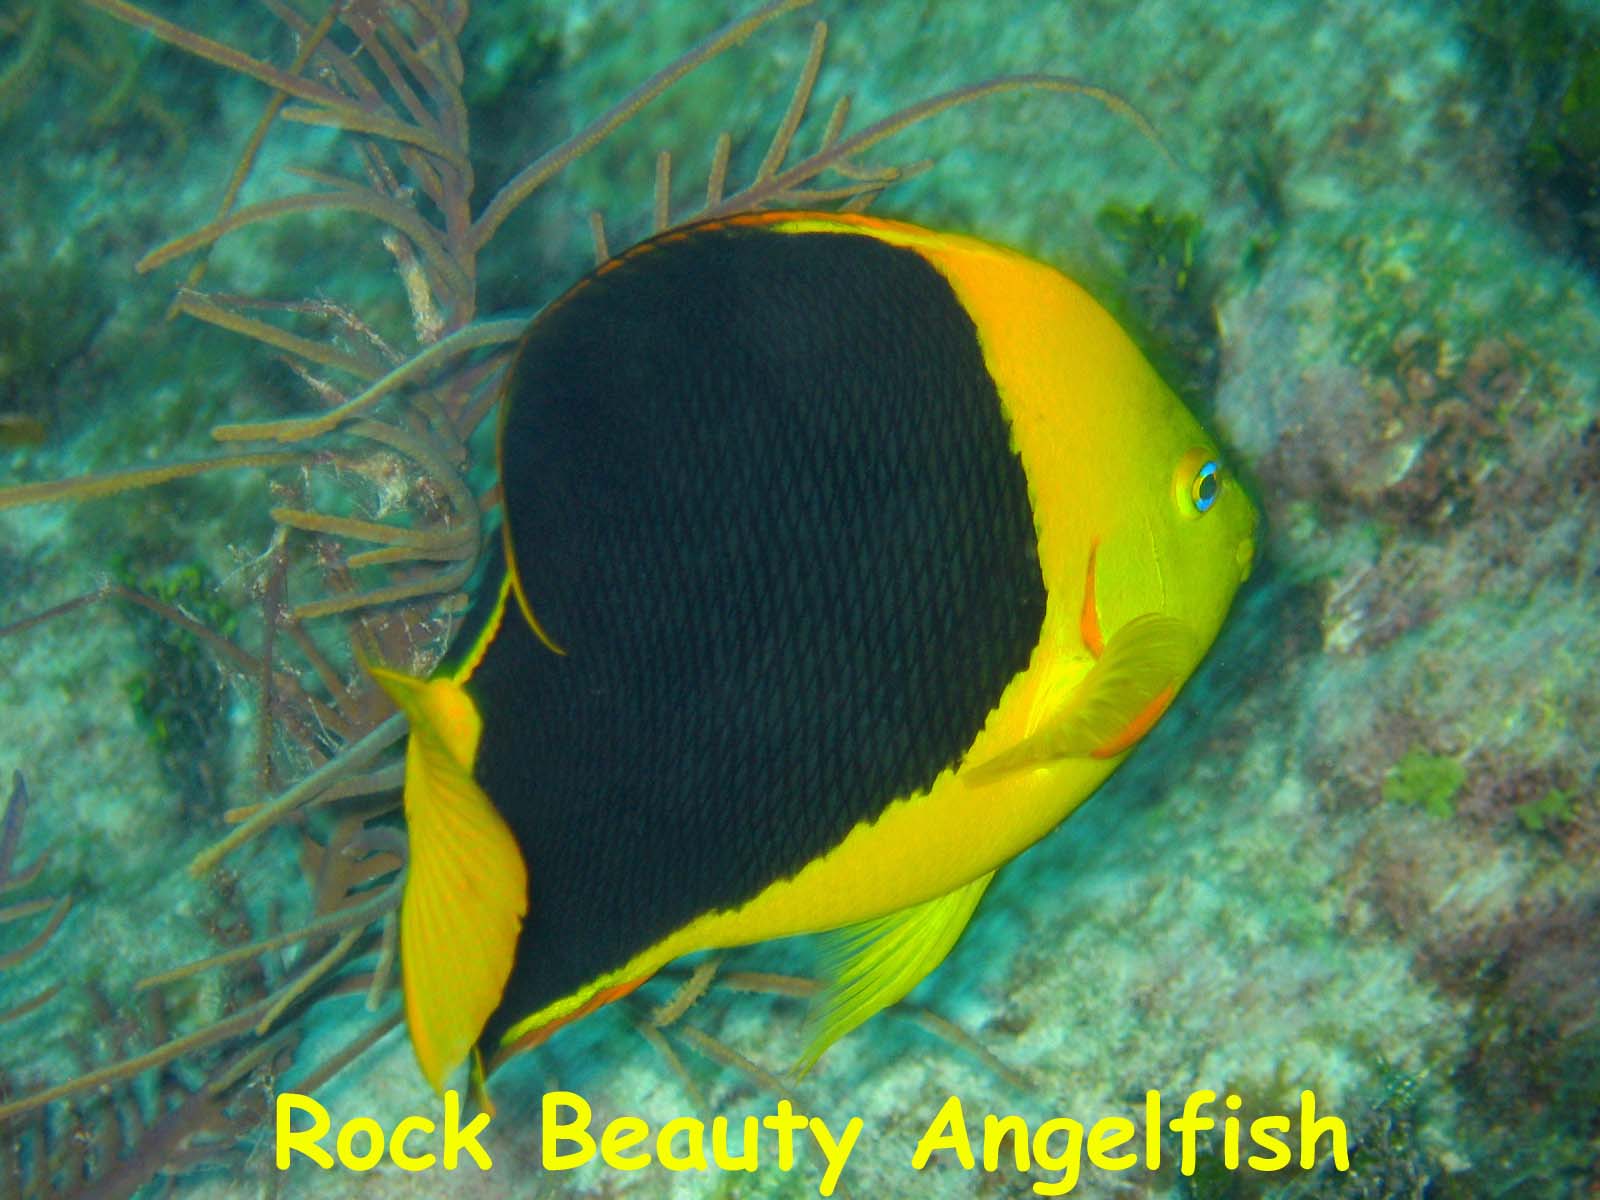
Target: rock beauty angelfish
(841, 559)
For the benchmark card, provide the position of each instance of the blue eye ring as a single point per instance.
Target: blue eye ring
(1207, 486)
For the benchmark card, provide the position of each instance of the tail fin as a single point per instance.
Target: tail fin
(466, 886)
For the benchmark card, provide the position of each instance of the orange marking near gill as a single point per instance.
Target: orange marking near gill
(1139, 726)
(1089, 618)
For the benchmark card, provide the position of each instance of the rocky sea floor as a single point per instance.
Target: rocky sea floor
(1360, 857)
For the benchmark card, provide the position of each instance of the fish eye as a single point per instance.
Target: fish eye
(1197, 482)
(1206, 487)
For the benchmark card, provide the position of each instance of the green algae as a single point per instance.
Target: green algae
(1555, 807)
(1426, 781)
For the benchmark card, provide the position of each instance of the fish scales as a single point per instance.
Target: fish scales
(786, 545)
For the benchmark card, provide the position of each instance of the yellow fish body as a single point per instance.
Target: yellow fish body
(841, 560)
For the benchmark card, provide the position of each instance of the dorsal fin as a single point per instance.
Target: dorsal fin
(1121, 697)
(466, 886)
(878, 962)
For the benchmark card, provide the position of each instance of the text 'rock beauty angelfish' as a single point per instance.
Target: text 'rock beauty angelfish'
(841, 560)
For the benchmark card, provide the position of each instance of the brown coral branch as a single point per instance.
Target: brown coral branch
(216, 52)
(451, 551)
(17, 1011)
(775, 188)
(352, 1051)
(310, 40)
(341, 921)
(336, 110)
(349, 760)
(204, 308)
(663, 192)
(440, 583)
(720, 1052)
(16, 813)
(306, 707)
(294, 429)
(36, 943)
(783, 139)
(353, 120)
(11, 879)
(451, 542)
(220, 1031)
(371, 33)
(717, 177)
(348, 196)
(110, 483)
(657, 1041)
(307, 980)
(546, 167)
(331, 680)
(241, 660)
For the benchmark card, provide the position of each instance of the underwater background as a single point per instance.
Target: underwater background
(1360, 854)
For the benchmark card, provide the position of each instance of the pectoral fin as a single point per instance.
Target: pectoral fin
(878, 962)
(1121, 697)
(466, 886)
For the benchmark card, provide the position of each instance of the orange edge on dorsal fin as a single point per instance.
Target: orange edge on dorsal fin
(1089, 618)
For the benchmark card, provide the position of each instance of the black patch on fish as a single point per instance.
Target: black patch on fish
(761, 490)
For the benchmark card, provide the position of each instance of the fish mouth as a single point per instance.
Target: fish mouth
(1245, 556)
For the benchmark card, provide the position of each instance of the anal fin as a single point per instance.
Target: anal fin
(878, 962)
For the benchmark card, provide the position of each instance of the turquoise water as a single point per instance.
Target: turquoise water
(1357, 858)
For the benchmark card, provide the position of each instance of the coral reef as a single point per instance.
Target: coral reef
(1542, 63)
(1359, 854)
